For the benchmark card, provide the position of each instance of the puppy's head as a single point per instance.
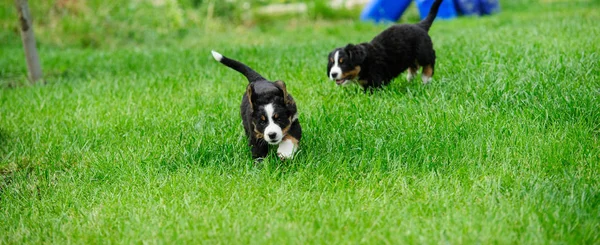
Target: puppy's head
(345, 63)
(273, 110)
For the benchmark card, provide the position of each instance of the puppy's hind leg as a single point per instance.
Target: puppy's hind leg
(412, 72)
(427, 73)
(427, 59)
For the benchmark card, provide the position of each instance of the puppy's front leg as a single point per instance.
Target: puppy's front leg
(289, 144)
(427, 74)
(374, 83)
(287, 147)
(260, 149)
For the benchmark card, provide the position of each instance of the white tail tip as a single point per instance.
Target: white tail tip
(217, 56)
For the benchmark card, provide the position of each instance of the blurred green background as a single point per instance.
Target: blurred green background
(97, 23)
(109, 24)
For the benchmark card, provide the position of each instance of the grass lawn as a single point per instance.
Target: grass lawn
(144, 143)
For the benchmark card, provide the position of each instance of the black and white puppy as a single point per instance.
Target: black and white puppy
(269, 113)
(396, 49)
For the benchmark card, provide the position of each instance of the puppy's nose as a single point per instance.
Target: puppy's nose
(272, 135)
(334, 74)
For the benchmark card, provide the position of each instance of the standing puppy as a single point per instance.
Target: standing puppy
(268, 112)
(376, 63)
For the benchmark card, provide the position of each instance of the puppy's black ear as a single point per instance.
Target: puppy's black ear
(287, 99)
(356, 53)
(281, 85)
(250, 94)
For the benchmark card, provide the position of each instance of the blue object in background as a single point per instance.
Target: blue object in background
(392, 10)
(468, 7)
(489, 6)
(446, 11)
(384, 10)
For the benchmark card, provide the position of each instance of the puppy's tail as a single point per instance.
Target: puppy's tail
(250, 74)
(426, 23)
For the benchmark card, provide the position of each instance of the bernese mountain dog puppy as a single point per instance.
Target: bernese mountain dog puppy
(398, 48)
(268, 111)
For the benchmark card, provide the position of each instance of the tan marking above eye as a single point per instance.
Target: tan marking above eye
(263, 118)
(276, 116)
(341, 60)
(330, 59)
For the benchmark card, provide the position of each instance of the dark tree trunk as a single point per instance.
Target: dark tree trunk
(26, 26)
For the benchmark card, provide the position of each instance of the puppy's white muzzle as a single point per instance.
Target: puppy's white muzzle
(335, 73)
(273, 134)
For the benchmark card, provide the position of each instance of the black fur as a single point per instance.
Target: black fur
(390, 53)
(259, 93)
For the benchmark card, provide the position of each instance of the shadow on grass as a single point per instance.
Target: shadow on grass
(397, 87)
(194, 153)
(6, 171)
(401, 86)
(14, 81)
(4, 138)
(7, 174)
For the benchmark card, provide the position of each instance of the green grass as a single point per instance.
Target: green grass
(144, 144)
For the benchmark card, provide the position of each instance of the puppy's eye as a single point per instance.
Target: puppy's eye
(262, 118)
(330, 59)
(341, 60)
(276, 116)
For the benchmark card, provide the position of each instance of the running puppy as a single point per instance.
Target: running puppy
(374, 64)
(268, 112)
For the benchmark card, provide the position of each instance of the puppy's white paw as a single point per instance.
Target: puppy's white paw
(425, 79)
(286, 149)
